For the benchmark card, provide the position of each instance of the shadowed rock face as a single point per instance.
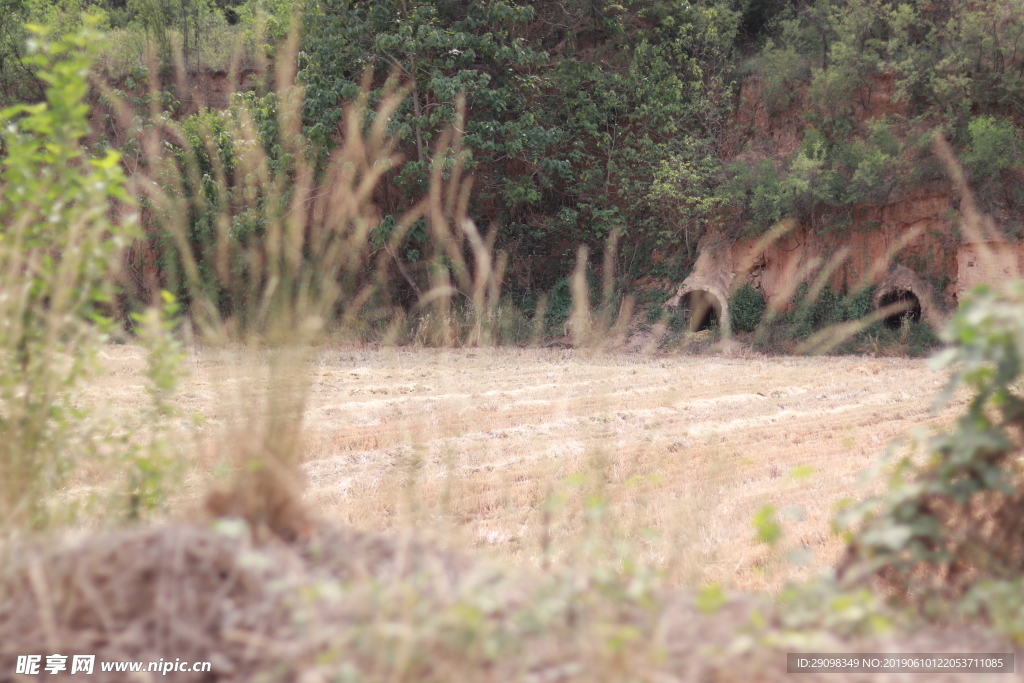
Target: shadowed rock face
(906, 301)
(701, 309)
(901, 285)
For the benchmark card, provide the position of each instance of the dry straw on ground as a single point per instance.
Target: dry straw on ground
(497, 451)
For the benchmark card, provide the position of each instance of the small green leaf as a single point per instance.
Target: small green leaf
(710, 598)
(767, 526)
(801, 472)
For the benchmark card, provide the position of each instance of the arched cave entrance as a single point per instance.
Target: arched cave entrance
(911, 307)
(700, 310)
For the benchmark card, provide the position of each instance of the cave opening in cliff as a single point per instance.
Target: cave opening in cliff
(909, 307)
(700, 310)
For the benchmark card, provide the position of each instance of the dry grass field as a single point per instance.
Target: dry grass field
(546, 456)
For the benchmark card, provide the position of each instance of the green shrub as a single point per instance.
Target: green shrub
(629, 144)
(560, 304)
(60, 251)
(953, 519)
(746, 308)
(757, 189)
(677, 321)
(559, 308)
(809, 315)
(652, 296)
(995, 146)
(921, 339)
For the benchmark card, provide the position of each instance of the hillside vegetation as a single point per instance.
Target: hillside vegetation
(588, 118)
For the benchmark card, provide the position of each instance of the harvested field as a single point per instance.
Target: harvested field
(545, 456)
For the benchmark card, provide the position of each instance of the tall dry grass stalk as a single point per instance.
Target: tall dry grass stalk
(310, 270)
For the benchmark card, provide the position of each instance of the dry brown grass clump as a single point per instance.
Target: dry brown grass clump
(340, 605)
(197, 594)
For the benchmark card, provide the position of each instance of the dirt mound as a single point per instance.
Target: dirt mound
(199, 595)
(343, 605)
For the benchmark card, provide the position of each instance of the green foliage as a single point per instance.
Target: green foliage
(560, 304)
(766, 525)
(922, 340)
(783, 70)
(59, 250)
(746, 308)
(565, 146)
(926, 533)
(611, 124)
(815, 317)
(948, 57)
(711, 598)
(18, 82)
(653, 296)
(956, 65)
(674, 268)
(266, 20)
(820, 183)
(443, 50)
(811, 314)
(611, 118)
(219, 198)
(757, 190)
(807, 612)
(677, 322)
(635, 160)
(995, 146)
(152, 465)
(205, 34)
(1000, 603)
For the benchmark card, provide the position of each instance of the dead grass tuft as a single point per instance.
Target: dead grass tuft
(341, 605)
(196, 594)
